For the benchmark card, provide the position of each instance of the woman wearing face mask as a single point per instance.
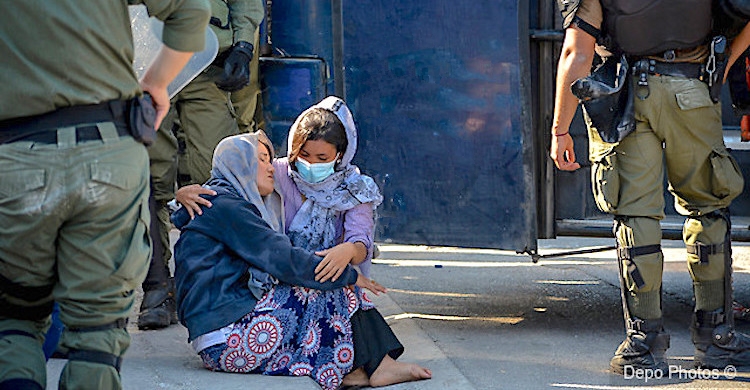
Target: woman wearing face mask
(273, 328)
(329, 205)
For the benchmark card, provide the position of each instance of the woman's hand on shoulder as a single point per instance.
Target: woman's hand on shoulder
(334, 261)
(370, 284)
(190, 198)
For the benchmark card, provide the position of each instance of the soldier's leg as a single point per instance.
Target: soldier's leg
(158, 307)
(205, 118)
(22, 362)
(708, 243)
(627, 182)
(103, 255)
(704, 179)
(641, 265)
(29, 220)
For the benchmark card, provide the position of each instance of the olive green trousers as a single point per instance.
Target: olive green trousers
(678, 132)
(74, 229)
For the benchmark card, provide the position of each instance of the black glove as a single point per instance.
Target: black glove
(237, 67)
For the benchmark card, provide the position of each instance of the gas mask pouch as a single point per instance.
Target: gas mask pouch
(607, 97)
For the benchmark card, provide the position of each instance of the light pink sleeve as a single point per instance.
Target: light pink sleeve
(292, 196)
(359, 225)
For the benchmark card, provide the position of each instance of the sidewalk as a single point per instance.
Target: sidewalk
(162, 359)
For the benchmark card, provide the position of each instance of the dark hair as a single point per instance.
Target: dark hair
(319, 124)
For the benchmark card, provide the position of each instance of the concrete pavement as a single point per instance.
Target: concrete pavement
(162, 359)
(480, 319)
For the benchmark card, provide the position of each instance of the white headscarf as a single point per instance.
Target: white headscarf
(313, 227)
(235, 161)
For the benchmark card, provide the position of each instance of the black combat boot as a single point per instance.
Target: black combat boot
(644, 347)
(717, 343)
(158, 307)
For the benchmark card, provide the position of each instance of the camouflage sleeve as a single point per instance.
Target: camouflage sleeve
(245, 16)
(185, 22)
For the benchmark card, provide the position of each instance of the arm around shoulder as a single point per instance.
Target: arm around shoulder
(238, 225)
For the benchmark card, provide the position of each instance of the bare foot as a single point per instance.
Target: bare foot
(357, 377)
(390, 372)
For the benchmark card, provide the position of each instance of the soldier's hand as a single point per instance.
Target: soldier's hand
(160, 98)
(562, 153)
(237, 67)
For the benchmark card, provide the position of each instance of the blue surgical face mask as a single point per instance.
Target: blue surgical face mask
(317, 172)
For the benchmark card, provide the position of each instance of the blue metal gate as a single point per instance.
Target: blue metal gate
(440, 100)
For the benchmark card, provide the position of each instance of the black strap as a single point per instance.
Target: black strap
(677, 69)
(703, 250)
(644, 326)
(586, 27)
(98, 357)
(120, 323)
(710, 319)
(19, 128)
(29, 313)
(16, 332)
(84, 133)
(27, 293)
(20, 384)
(728, 289)
(628, 253)
(214, 21)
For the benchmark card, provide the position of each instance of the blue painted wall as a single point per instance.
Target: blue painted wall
(438, 95)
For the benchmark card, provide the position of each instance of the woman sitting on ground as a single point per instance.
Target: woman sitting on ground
(230, 259)
(329, 205)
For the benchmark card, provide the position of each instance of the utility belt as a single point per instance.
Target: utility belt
(676, 69)
(607, 94)
(134, 117)
(712, 72)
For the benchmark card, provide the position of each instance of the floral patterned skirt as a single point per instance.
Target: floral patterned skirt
(293, 331)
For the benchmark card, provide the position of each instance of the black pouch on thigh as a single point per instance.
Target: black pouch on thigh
(607, 97)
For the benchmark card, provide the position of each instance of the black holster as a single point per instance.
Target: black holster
(607, 97)
(141, 119)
